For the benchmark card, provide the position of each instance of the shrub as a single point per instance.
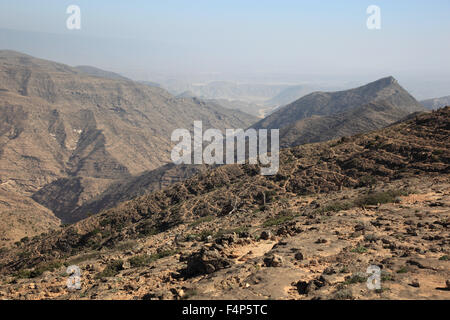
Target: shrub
(282, 217)
(145, 260)
(237, 230)
(380, 197)
(111, 269)
(402, 270)
(356, 278)
(359, 249)
(39, 270)
(344, 294)
(202, 220)
(335, 207)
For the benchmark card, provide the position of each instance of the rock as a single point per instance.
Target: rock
(290, 229)
(218, 247)
(265, 235)
(329, 271)
(227, 239)
(209, 268)
(447, 283)
(415, 283)
(306, 287)
(299, 256)
(273, 260)
(205, 261)
(177, 292)
(131, 287)
(244, 234)
(126, 265)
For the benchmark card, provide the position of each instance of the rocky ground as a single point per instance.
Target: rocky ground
(317, 247)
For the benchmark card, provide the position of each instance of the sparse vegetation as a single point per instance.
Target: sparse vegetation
(38, 270)
(111, 270)
(202, 220)
(189, 293)
(403, 270)
(282, 217)
(343, 294)
(356, 278)
(380, 197)
(359, 249)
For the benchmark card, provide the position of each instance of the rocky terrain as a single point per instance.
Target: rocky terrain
(309, 232)
(72, 129)
(359, 119)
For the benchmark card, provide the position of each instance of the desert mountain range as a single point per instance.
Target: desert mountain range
(68, 133)
(81, 125)
(309, 232)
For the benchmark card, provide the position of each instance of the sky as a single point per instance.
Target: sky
(219, 38)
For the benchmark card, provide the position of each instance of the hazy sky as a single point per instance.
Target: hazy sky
(142, 38)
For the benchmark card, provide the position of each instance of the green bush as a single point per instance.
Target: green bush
(402, 270)
(282, 217)
(359, 249)
(356, 278)
(111, 269)
(202, 220)
(145, 259)
(380, 197)
(335, 207)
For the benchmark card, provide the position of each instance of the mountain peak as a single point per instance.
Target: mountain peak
(383, 82)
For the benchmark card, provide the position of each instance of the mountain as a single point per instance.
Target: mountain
(254, 109)
(436, 103)
(386, 90)
(150, 83)
(291, 94)
(57, 122)
(361, 119)
(96, 72)
(309, 232)
(322, 116)
(248, 92)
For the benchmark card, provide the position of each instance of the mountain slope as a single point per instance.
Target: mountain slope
(385, 91)
(293, 93)
(436, 103)
(96, 72)
(60, 123)
(357, 120)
